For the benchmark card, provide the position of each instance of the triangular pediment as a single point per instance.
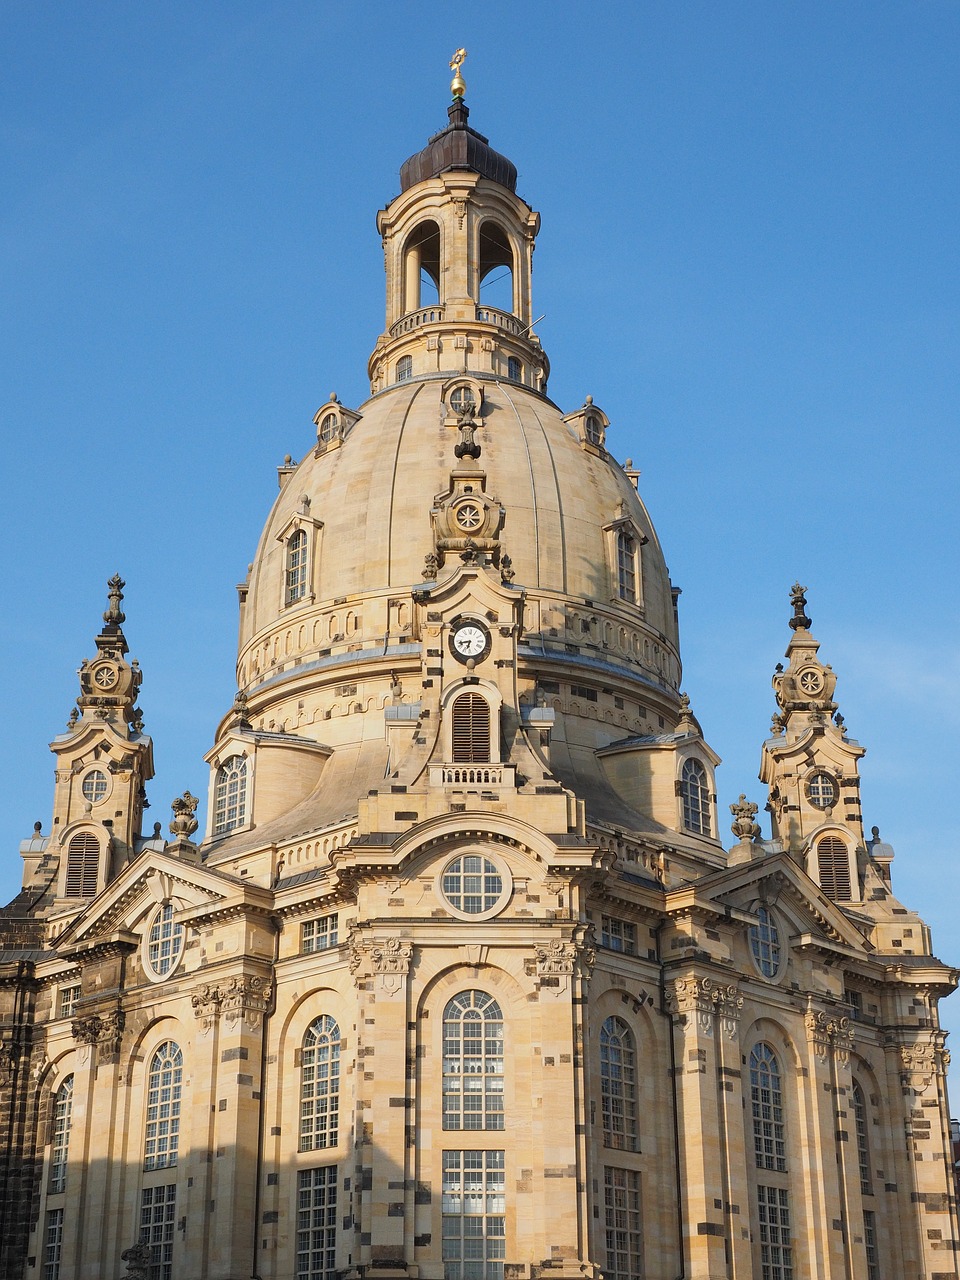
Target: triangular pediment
(150, 880)
(778, 880)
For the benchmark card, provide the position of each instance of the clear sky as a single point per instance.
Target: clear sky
(748, 257)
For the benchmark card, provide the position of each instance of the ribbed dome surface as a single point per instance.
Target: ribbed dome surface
(374, 493)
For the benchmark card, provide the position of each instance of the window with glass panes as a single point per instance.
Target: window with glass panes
(230, 796)
(52, 1244)
(765, 943)
(773, 1217)
(863, 1149)
(164, 1086)
(766, 1100)
(296, 569)
(317, 1223)
(158, 1207)
(60, 1138)
(68, 1000)
(165, 942)
(623, 1224)
(319, 934)
(870, 1245)
(618, 1085)
(472, 1062)
(474, 1215)
(618, 935)
(320, 1085)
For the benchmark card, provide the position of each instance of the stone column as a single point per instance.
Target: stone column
(820, 1232)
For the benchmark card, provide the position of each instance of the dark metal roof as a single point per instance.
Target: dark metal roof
(458, 147)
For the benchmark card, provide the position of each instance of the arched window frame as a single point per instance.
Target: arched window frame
(618, 1084)
(695, 790)
(164, 1090)
(404, 369)
(624, 544)
(295, 567)
(861, 1121)
(473, 1053)
(766, 946)
(491, 695)
(82, 864)
(231, 794)
(514, 369)
(297, 580)
(833, 867)
(767, 1110)
(320, 1085)
(61, 1124)
(416, 263)
(494, 246)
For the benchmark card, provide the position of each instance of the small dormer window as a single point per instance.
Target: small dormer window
(822, 791)
(405, 368)
(296, 567)
(593, 429)
(695, 797)
(626, 567)
(329, 428)
(230, 799)
(514, 369)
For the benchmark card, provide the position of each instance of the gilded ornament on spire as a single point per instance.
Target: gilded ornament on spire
(458, 85)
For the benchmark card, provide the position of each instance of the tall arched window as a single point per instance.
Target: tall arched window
(618, 1085)
(766, 1100)
(472, 1062)
(296, 568)
(514, 369)
(471, 729)
(60, 1135)
(405, 368)
(695, 797)
(164, 1085)
(626, 565)
(83, 863)
(230, 795)
(320, 1085)
(859, 1107)
(833, 865)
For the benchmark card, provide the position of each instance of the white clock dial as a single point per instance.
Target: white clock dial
(470, 641)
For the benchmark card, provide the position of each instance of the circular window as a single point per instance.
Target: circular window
(765, 944)
(810, 681)
(95, 786)
(105, 677)
(463, 400)
(469, 516)
(164, 942)
(328, 428)
(822, 791)
(474, 886)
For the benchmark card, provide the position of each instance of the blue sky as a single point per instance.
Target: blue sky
(748, 257)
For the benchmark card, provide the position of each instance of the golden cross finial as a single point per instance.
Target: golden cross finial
(458, 86)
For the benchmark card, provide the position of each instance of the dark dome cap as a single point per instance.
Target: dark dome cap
(458, 147)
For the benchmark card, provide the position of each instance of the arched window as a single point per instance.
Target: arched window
(60, 1135)
(164, 1084)
(618, 1085)
(328, 428)
(495, 268)
(833, 866)
(320, 1085)
(765, 943)
(472, 1062)
(626, 567)
(421, 276)
(230, 795)
(766, 1100)
(83, 863)
(165, 941)
(514, 369)
(859, 1107)
(694, 797)
(296, 570)
(471, 729)
(405, 368)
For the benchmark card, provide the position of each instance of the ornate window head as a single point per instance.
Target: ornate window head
(695, 797)
(822, 790)
(83, 865)
(765, 943)
(230, 796)
(833, 867)
(472, 1062)
(618, 1085)
(320, 1085)
(766, 1100)
(164, 1086)
(296, 567)
(60, 1137)
(164, 941)
(405, 368)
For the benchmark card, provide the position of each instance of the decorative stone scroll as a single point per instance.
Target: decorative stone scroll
(559, 960)
(206, 1006)
(922, 1061)
(241, 997)
(707, 1000)
(105, 1032)
(827, 1032)
(389, 959)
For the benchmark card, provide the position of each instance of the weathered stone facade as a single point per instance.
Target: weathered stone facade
(461, 981)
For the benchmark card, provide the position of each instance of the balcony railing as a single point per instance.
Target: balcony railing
(473, 775)
(502, 319)
(416, 319)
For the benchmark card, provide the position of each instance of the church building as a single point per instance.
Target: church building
(465, 978)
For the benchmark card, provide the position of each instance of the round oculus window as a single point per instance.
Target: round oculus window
(822, 791)
(104, 677)
(164, 942)
(810, 680)
(462, 400)
(95, 786)
(469, 516)
(474, 886)
(328, 428)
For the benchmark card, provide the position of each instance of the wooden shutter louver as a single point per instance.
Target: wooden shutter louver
(83, 861)
(833, 863)
(471, 729)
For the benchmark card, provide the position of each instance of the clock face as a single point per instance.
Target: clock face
(470, 640)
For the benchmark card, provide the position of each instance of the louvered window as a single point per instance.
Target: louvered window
(833, 863)
(83, 860)
(471, 729)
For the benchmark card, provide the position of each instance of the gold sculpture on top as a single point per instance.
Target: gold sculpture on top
(458, 86)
